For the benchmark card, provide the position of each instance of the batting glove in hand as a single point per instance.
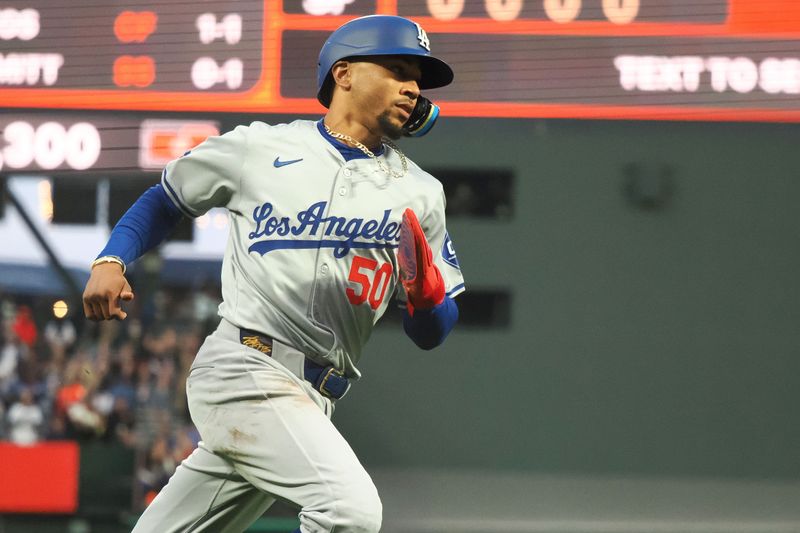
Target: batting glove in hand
(419, 275)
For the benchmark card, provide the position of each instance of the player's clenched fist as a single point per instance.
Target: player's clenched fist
(419, 275)
(105, 290)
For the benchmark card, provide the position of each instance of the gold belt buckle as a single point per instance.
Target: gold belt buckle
(328, 373)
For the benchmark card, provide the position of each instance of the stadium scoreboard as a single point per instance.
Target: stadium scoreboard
(609, 59)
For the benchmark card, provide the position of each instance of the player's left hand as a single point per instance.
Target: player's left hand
(419, 275)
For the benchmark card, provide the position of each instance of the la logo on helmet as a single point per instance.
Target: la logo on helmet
(424, 42)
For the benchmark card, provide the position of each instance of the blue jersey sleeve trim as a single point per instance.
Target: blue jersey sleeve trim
(144, 226)
(173, 196)
(455, 291)
(429, 328)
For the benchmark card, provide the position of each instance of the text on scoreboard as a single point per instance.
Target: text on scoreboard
(670, 59)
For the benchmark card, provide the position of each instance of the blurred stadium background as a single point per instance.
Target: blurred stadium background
(622, 183)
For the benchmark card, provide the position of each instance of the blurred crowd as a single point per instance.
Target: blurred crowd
(62, 377)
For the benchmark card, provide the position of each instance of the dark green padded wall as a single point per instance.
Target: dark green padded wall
(641, 342)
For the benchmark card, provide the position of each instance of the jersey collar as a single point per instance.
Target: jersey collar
(348, 152)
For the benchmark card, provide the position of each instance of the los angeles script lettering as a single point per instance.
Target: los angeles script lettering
(311, 222)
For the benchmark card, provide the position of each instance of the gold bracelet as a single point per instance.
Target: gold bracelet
(109, 259)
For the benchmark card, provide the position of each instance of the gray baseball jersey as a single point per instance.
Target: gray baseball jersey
(311, 257)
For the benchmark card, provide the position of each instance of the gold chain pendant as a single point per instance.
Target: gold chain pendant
(368, 152)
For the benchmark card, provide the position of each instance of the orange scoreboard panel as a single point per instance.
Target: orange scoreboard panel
(729, 60)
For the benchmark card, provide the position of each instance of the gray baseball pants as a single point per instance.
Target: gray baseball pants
(266, 435)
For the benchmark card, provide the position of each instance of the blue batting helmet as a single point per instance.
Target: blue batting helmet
(378, 35)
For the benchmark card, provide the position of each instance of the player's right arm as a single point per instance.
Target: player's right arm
(206, 177)
(145, 225)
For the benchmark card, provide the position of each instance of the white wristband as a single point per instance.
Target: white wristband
(109, 259)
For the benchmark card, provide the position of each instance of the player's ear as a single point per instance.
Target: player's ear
(342, 74)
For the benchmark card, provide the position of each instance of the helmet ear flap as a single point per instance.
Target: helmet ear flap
(422, 118)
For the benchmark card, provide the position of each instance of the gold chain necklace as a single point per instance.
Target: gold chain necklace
(368, 152)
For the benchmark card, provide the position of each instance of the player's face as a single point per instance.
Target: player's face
(385, 91)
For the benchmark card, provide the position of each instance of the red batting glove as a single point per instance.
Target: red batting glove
(419, 275)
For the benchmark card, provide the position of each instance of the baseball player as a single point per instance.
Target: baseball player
(327, 220)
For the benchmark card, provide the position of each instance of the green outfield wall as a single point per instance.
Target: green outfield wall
(653, 269)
